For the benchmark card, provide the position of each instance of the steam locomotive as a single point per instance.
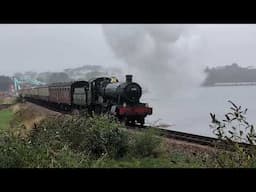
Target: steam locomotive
(98, 95)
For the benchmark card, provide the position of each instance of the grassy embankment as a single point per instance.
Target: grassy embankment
(29, 139)
(5, 118)
(6, 114)
(67, 141)
(7, 100)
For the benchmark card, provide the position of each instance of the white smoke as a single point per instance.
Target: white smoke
(158, 54)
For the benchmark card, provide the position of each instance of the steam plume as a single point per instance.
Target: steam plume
(157, 54)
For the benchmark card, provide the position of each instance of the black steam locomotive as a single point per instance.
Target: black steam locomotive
(99, 95)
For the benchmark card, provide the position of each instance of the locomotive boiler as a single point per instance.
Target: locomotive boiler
(127, 92)
(122, 99)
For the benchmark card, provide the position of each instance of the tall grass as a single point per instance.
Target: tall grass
(5, 117)
(88, 142)
(71, 141)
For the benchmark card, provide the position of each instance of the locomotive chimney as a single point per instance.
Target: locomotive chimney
(128, 78)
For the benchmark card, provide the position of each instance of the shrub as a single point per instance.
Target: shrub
(95, 136)
(15, 153)
(73, 141)
(234, 129)
(9, 155)
(147, 143)
(101, 136)
(19, 99)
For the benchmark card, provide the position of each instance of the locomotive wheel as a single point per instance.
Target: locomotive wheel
(75, 112)
(129, 122)
(123, 121)
(97, 110)
(132, 123)
(141, 122)
(88, 111)
(85, 112)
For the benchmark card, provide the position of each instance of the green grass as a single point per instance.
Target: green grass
(170, 160)
(99, 142)
(5, 117)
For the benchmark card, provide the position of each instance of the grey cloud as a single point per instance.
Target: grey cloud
(51, 47)
(55, 47)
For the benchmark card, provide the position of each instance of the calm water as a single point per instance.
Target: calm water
(189, 111)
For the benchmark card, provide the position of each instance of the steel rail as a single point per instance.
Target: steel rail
(4, 106)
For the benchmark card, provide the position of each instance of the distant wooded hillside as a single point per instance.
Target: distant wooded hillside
(71, 74)
(5, 83)
(229, 74)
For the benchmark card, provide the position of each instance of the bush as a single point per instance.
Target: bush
(235, 129)
(19, 99)
(9, 153)
(73, 141)
(97, 137)
(147, 143)
(104, 136)
(94, 136)
(15, 153)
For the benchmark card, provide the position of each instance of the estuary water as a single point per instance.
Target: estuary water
(189, 110)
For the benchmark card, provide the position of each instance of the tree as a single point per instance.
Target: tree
(94, 74)
(58, 77)
(5, 83)
(44, 76)
(18, 75)
(30, 74)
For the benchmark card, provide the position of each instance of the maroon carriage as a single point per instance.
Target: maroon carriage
(61, 94)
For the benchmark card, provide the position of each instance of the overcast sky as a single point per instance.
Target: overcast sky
(54, 47)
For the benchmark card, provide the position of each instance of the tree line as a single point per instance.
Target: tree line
(229, 74)
(5, 83)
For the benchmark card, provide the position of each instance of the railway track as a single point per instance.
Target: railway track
(182, 136)
(4, 106)
(199, 139)
(195, 139)
(188, 137)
